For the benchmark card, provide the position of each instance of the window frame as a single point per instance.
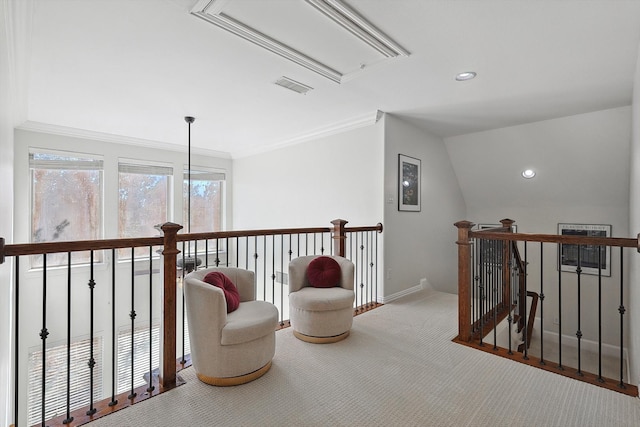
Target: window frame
(83, 162)
(142, 167)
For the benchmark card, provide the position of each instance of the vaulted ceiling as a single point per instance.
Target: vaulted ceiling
(135, 68)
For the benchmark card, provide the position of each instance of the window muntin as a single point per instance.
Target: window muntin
(66, 202)
(144, 201)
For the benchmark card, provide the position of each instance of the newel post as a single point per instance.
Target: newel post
(506, 265)
(339, 237)
(168, 338)
(464, 280)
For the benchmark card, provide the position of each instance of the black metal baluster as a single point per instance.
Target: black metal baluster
(497, 256)
(524, 309)
(281, 280)
(542, 362)
(264, 266)
(510, 284)
(92, 361)
(217, 252)
(474, 284)
(255, 256)
(44, 333)
(206, 253)
(16, 350)
(290, 251)
(114, 401)
(376, 269)
(579, 331)
(621, 310)
(315, 243)
(226, 243)
(237, 251)
(246, 252)
(361, 270)
(560, 308)
(600, 379)
(183, 360)
(132, 316)
(150, 386)
(483, 276)
(68, 405)
(273, 270)
(370, 270)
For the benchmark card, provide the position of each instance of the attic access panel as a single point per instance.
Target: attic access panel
(325, 36)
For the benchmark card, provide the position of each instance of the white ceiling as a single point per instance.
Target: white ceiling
(135, 68)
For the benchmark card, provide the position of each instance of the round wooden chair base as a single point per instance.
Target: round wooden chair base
(230, 381)
(320, 340)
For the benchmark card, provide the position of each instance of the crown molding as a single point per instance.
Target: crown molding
(354, 123)
(115, 139)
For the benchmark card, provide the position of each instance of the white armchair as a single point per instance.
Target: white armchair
(320, 315)
(234, 348)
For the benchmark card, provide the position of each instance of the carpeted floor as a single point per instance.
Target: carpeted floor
(397, 368)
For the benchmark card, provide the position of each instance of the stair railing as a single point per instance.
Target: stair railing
(572, 295)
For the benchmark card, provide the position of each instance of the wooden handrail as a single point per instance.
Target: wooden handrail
(19, 249)
(555, 238)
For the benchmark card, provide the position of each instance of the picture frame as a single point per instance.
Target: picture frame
(592, 259)
(409, 190)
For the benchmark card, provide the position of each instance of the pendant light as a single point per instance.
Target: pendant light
(190, 262)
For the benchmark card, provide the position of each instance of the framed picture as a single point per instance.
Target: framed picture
(591, 257)
(408, 183)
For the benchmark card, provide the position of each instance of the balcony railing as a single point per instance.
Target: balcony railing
(519, 298)
(94, 338)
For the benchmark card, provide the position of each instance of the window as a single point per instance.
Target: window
(144, 201)
(207, 191)
(56, 379)
(144, 347)
(66, 202)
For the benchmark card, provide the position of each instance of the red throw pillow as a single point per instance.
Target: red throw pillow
(324, 272)
(231, 294)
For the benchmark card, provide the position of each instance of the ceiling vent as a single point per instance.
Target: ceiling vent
(293, 85)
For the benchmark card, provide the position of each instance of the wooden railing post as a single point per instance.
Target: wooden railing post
(339, 237)
(168, 296)
(506, 266)
(464, 280)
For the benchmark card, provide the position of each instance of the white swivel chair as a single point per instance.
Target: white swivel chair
(321, 314)
(229, 348)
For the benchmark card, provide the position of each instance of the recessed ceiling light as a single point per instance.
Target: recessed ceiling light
(467, 75)
(528, 173)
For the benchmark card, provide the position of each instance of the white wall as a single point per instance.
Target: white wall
(634, 229)
(312, 183)
(420, 245)
(15, 31)
(582, 177)
(6, 220)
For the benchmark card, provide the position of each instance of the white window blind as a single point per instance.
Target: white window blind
(144, 347)
(56, 379)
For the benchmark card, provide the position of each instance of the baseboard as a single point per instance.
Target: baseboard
(387, 299)
(569, 340)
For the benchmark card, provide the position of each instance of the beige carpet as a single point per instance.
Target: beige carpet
(398, 368)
